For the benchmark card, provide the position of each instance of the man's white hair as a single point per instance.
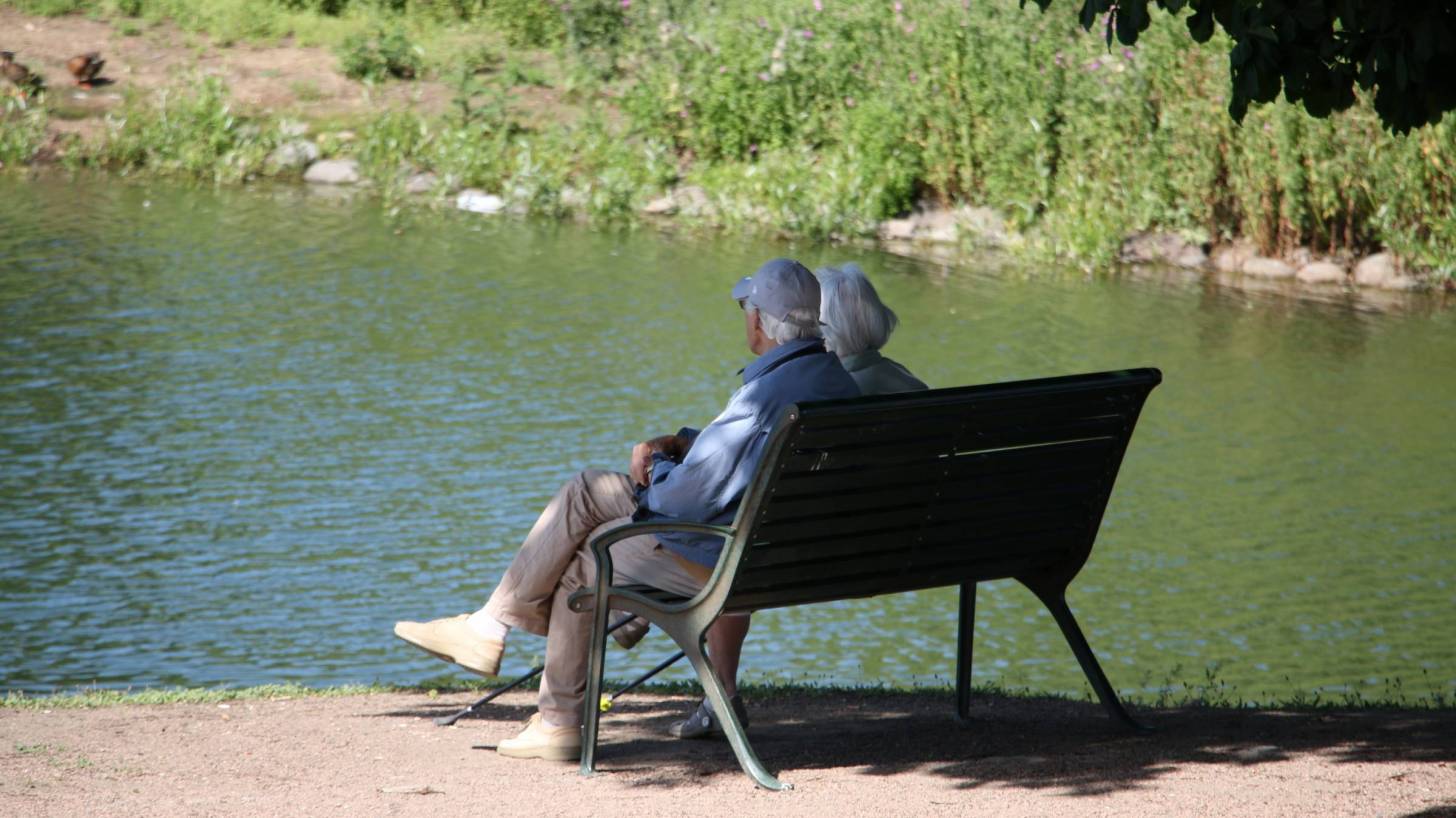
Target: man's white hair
(855, 319)
(799, 323)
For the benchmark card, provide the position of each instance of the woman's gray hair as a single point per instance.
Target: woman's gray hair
(800, 323)
(855, 319)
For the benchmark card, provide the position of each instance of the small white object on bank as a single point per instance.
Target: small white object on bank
(333, 172)
(478, 201)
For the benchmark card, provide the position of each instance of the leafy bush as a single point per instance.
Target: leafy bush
(526, 23)
(22, 131)
(378, 55)
(190, 131)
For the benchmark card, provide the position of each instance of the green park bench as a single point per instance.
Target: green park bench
(893, 493)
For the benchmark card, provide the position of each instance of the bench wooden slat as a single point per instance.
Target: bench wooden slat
(901, 452)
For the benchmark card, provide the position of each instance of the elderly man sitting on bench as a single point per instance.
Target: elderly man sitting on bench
(690, 476)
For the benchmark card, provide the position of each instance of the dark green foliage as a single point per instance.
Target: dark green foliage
(379, 55)
(1317, 51)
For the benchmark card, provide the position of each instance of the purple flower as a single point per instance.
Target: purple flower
(683, 114)
(818, 5)
(807, 34)
(914, 77)
(1094, 65)
(910, 29)
(753, 148)
(1058, 58)
(764, 76)
(722, 69)
(849, 102)
(626, 4)
(763, 22)
(1127, 54)
(898, 8)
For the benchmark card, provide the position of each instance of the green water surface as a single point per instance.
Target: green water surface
(243, 432)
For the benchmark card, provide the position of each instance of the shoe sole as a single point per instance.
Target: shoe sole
(546, 753)
(445, 658)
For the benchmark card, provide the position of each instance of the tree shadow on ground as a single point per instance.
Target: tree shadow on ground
(1024, 742)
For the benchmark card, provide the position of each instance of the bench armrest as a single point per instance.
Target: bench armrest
(600, 545)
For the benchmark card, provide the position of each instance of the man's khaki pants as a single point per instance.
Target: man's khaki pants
(556, 560)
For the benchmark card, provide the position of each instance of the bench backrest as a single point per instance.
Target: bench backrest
(919, 490)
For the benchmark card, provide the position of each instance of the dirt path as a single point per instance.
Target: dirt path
(881, 754)
(282, 78)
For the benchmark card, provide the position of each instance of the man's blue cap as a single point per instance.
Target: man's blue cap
(779, 286)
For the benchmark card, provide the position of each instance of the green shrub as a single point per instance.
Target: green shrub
(22, 131)
(378, 55)
(191, 131)
(526, 23)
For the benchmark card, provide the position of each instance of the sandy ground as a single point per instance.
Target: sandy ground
(871, 753)
(278, 78)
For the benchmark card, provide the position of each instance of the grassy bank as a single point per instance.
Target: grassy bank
(816, 119)
(1210, 691)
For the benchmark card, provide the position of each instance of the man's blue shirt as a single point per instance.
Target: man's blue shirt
(708, 485)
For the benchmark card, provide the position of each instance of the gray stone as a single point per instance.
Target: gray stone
(1230, 258)
(897, 229)
(478, 201)
(1321, 272)
(688, 200)
(1263, 267)
(1160, 247)
(294, 154)
(693, 201)
(421, 183)
(573, 198)
(983, 224)
(662, 206)
(1192, 257)
(1378, 270)
(937, 226)
(333, 172)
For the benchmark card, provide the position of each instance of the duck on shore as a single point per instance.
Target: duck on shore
(21, 77)
(85, 67)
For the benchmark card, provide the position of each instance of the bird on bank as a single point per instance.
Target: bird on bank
(85, 67)
(21, 77)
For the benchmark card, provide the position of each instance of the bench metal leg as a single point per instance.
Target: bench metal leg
(965, 635)
(1056, 602)
(737, 736)
(596, 666)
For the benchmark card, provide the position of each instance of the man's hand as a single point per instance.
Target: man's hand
(671, 445)
(641, 462)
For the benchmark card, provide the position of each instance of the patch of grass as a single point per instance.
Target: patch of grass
(306, 91)
(86, 698)
(1198, 695)
(22, 130)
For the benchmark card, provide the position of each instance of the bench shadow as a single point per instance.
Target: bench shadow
(1031, 743)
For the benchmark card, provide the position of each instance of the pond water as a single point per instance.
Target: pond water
(243, 432)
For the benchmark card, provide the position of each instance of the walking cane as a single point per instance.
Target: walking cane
(606, 703)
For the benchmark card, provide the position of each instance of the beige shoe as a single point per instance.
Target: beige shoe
(540, 741)
(453, 640)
